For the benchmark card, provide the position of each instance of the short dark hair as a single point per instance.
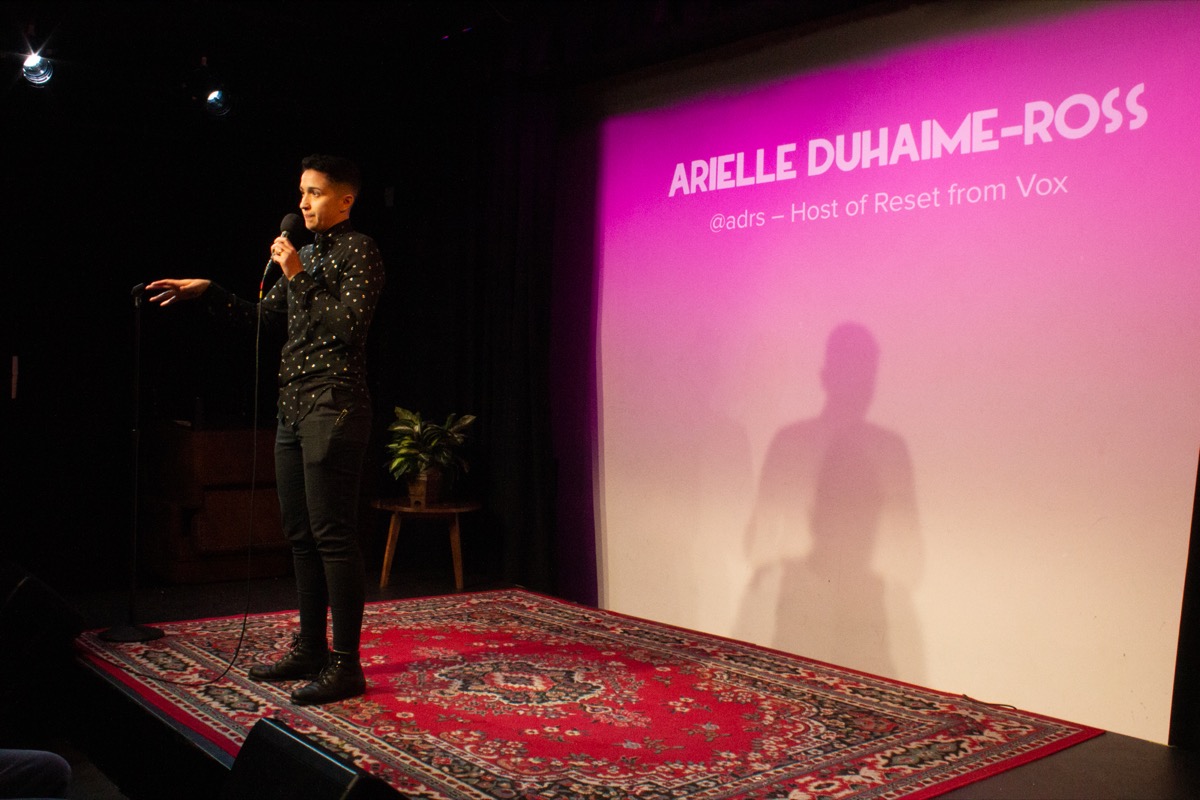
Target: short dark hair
(340, 170)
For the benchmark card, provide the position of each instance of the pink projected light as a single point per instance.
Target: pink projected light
(1007, 216)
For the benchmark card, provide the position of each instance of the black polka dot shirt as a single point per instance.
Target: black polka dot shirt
(328, 308)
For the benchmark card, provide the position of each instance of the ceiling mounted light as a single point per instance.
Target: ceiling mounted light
(217, 103)
(206, 88)
(37, 69)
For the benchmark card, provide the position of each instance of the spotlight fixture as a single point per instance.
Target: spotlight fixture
(206, 89)
(37, 69)
(217, 103)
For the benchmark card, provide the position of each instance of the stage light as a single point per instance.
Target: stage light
(37, 70)
(217, 103)
(206, 89)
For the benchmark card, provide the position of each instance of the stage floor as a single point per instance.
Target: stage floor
(1108, 767)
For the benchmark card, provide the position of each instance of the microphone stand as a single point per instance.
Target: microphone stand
(130, 631)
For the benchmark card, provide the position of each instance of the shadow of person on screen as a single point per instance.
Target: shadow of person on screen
(833, 543)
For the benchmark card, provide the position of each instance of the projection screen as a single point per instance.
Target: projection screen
(898, 352)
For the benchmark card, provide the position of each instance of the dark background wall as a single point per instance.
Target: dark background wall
(470, 120)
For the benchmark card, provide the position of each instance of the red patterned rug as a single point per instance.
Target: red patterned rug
(510, 694)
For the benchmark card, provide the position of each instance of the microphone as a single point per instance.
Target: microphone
(292, 223)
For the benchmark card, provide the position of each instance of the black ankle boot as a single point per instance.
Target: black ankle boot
(304, 661)
(341, 678)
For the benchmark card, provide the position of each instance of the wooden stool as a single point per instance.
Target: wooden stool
(447, 511)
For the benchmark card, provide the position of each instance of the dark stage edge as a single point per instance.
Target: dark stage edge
(150, 757)
(1109, 767)
(145, 755)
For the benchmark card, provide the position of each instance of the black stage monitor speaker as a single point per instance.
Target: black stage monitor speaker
(276, 763)
(37, 627)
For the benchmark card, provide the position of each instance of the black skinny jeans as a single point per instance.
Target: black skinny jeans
(318, 466)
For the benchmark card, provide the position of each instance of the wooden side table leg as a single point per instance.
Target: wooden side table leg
(456, 553)
(390, 551)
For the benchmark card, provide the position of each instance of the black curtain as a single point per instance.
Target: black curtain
(464, 325)
(1185, 701)
(516, 307)
(513, 299)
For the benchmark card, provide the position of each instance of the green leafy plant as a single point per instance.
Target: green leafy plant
(419, 446)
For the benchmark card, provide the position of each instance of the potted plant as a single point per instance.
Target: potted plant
(426, 455)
